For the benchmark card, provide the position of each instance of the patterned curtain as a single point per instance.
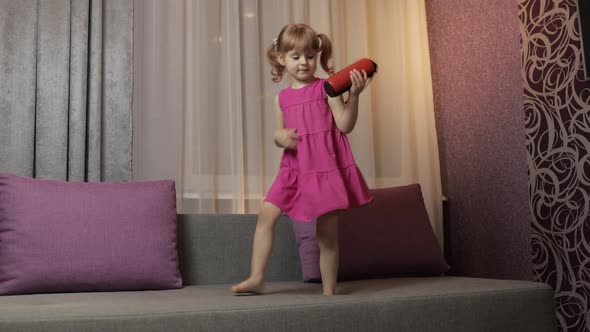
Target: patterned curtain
(557, 108)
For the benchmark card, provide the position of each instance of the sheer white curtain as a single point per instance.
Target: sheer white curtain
(203, 96)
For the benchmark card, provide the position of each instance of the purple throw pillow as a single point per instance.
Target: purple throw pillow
(390, 237)
(58, 236)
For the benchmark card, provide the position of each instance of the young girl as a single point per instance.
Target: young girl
(318, 176)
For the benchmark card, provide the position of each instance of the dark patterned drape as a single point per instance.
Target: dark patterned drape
(557, 115)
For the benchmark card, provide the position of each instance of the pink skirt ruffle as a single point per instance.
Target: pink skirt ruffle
(304, 197)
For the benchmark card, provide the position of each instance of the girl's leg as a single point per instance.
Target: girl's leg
(327, 235)
(261, 249)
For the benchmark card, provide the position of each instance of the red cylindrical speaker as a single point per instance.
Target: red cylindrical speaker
(340, 82)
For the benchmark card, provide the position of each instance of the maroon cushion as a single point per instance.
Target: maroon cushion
(390, 237)
(58, 236)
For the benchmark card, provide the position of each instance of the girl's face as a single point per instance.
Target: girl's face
(301, 65)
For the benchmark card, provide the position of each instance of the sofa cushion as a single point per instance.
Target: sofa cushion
(58, 236)
(389, 237)
(441, 304)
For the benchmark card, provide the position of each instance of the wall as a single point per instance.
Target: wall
(477, 86)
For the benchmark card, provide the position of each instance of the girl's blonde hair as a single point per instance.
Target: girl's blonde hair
(303, 38)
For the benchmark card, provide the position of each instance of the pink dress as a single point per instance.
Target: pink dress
(321, 175)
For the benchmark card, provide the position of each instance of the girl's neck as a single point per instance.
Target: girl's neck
(297, 84)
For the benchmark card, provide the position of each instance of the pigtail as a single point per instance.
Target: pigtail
(277, 70)
(326, 55)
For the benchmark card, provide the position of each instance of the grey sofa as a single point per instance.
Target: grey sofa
(215, 252)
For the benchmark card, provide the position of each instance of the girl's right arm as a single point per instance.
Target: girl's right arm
(285, 138)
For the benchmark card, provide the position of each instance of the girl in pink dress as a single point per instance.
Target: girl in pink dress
(318, 176)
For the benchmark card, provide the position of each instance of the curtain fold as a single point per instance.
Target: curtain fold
(212, 88)
(78, 90)
(65, 96)
(18, 62)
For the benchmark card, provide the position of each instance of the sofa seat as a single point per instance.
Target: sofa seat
(399, 304)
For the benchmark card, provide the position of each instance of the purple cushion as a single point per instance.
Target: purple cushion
(390, 237)
(58, 236)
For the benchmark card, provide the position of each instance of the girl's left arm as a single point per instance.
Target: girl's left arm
(345, 115)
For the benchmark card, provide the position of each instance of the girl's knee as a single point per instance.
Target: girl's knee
(327, 232)
(327, 241)
(328, 223)
(268, 215)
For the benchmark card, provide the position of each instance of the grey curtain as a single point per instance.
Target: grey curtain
(65, 89)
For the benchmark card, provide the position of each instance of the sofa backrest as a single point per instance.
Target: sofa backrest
(216, 249)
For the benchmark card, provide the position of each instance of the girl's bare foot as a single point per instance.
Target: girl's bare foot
(329, 292)
(249, 286)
